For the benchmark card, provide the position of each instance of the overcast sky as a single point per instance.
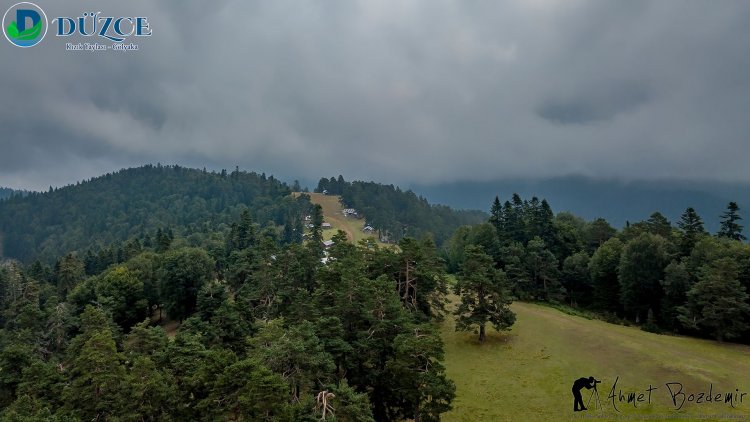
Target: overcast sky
(395, 91)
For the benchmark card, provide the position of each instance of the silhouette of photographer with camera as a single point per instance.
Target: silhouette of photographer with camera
(589, 383)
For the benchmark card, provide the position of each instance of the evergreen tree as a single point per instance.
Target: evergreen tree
(545, 220)
(96, 389)
(296, 352)
(717, 303)
(576, 279)
(603, 267)
(210, 298)
(248, 390)
(316, 234)
(597, 232)
(658, 224)
(120, 292)
(516, 270)
(41, 388)
(568, 235)
(182, 273)
(496, 216)
(163, 241)
(151, 391)
(298, 230)
(421, 277)
(429, 393)
(542, 268)
(676, 284)
(246, 236)
(322, 185)
(692, 229)
(640, 272)
(69, 272)
(516, 220)
(483, 294)
(730, 227)
(40, 272)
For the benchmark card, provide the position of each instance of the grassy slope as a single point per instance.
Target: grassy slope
(527, 373)
(332, 211)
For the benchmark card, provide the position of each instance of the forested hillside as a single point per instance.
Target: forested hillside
(188, 202)
(396, 213)
(266, 332)
(660, 275)
(132, 202)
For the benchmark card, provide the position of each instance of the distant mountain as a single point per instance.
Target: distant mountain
(618, 202)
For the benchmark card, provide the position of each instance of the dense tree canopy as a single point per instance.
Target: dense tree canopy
(132, 202)
(267, 333)
(174, 294)
(651, 273)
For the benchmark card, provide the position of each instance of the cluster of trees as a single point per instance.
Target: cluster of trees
(396, 214)
(666, 277)
(267, 331)
(7, 193)
(132, 202)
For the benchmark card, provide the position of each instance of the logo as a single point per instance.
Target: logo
(667, 397)
(25, 24)
(114, 29)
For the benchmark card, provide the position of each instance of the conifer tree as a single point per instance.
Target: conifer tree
(730, 227)
(692, 229)
(484, 297)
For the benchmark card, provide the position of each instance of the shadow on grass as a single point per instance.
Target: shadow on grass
(491, 339)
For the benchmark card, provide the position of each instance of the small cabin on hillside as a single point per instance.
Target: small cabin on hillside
(326, 226)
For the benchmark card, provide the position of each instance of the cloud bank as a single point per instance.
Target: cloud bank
(420, 91)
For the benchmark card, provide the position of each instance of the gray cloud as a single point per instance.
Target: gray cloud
(407, 92)
(595, 103)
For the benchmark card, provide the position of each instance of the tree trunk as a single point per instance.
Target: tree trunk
(481, 333)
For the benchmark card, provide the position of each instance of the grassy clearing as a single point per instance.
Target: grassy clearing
(527, 373)
(332, 212)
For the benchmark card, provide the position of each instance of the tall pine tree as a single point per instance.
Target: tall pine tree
(730, 228)
(692, 229)
(484, 298)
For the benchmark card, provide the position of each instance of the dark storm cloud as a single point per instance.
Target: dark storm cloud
(601, 103)
(416, 91)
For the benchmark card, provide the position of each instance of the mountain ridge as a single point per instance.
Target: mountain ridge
(136, 202)
(616, 201)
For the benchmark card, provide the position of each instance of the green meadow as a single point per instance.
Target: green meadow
(527, 373)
